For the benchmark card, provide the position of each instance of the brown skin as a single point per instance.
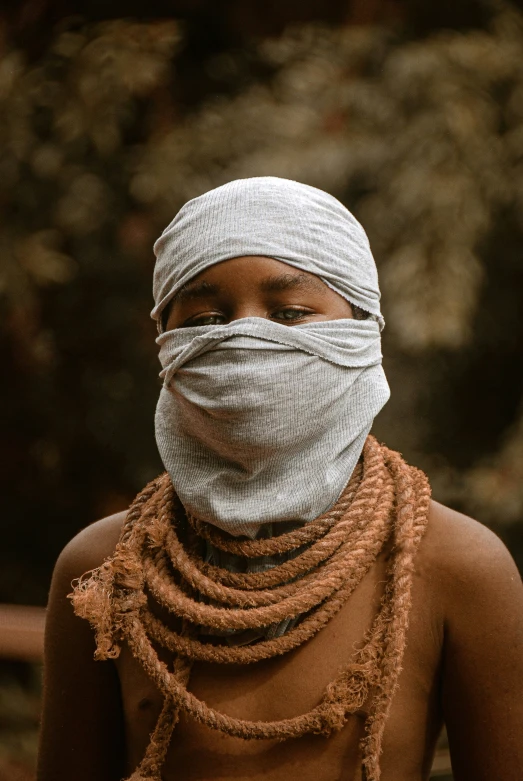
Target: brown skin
(255, 287)
(463, 663)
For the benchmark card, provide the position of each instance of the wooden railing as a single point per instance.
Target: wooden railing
(22, 633)
(22, 638)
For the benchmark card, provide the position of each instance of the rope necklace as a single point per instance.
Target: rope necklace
(159, 557)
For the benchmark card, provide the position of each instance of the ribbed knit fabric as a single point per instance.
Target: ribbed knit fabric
(257, 421)
(269, 217)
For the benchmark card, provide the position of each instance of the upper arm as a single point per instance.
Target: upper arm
(82, 725)
(483, 655)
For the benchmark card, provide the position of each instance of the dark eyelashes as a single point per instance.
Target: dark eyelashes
(298, 313)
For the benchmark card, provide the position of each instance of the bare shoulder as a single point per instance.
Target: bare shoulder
(82, 732)
(458, 550)
(471, 579)
(91, 546)
(477, 590)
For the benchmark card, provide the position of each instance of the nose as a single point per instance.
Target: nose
(248, 310)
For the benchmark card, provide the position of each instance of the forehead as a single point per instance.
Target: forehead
(267, 274)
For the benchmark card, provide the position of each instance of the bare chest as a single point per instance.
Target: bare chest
(293, 684)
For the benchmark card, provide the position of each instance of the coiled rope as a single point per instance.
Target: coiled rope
(159, 557)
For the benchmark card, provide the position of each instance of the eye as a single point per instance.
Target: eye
(205, 319)
(290, 313)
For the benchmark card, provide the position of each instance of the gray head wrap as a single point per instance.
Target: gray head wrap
(257, 421)
(269, 217)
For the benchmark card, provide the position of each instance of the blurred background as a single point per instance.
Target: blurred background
(112, 115)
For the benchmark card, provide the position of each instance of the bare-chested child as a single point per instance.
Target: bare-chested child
(286, 602)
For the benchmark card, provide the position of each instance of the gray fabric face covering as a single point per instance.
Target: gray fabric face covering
(260, 422)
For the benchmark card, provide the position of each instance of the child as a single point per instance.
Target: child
(285, 601)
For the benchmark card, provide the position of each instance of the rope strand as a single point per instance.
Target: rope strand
(385, 498)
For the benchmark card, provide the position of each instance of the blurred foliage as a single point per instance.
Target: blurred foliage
(20, 692)
(422, 139)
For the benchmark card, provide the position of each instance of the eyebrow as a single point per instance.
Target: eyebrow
(282, 282)
(195, 289)
(292, 282)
